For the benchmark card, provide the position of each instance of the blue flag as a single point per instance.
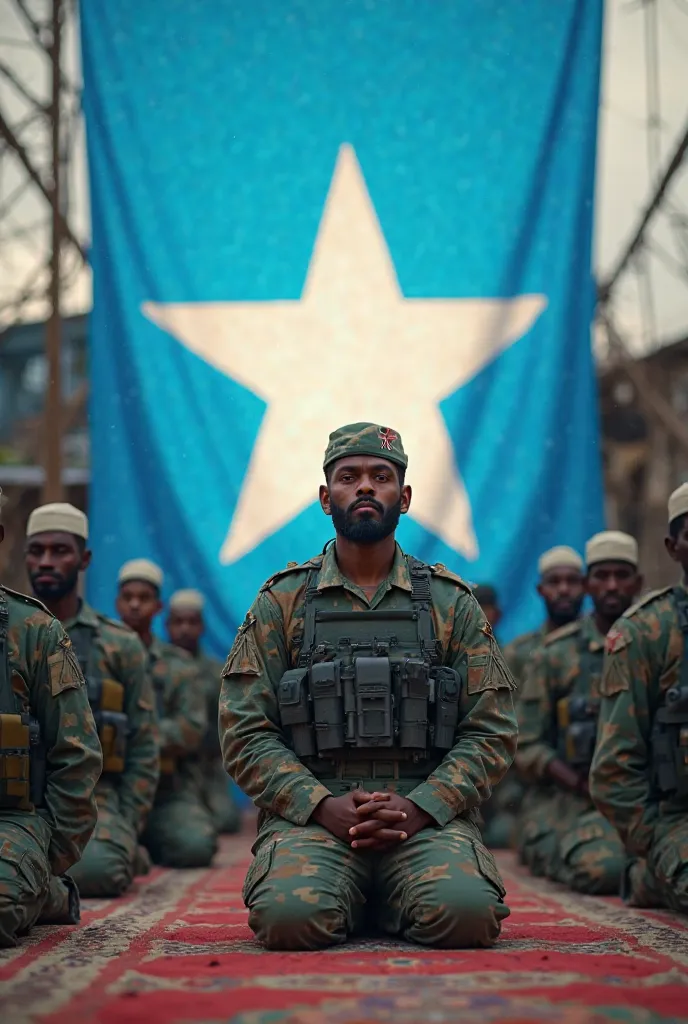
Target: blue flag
(311, 213)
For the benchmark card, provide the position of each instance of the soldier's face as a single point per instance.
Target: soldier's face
(53, 563)
(613, 587)
(365, 498)
(563, 591)
(678, 546)
(137, 604)
(185, 629)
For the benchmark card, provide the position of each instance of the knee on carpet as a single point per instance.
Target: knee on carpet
(537, 847)
(295, 924)
(187, 850)
(594, 867)
(105, 870)
(462, 916)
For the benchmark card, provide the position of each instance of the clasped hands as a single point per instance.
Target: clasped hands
(373, 821)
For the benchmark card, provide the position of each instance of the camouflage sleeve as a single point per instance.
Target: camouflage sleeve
(182, 731)
(534, 708)
(254, 749)
(487, 732)
(140, 777)
(74, 759)
(619, 779)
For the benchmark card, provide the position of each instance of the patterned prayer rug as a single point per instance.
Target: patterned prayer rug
(178, 949)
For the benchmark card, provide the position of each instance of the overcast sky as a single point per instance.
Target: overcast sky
(623, 182)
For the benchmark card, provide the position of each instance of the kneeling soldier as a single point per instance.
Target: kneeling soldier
(562, 835)
(180, 832)
(50, 760)
(366, 709)
(113, 661)
(639, 775)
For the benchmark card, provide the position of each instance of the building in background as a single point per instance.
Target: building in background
(23, 379)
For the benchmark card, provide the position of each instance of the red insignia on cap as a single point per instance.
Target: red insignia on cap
(614, 641)
(387, 436)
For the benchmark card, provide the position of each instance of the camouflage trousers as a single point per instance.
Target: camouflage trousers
(29, 893)
(180, 832)
(662, 879)
(500, 812)
(220, 802)
(562, 837)
(106, 867)
(307, 890)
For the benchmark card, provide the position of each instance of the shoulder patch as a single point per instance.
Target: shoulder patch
(570, 629)
(615, 641)
(312, 563)
(646, 599)
(27, 599)
(446, 574)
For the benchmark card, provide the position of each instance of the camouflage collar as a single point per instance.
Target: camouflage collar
(155, 650)
(591, 634)
(330, 575)
(86, 616)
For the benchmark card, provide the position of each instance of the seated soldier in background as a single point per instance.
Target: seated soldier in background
(639, 774)
(563, 836)
(185, 627)
(180, 832)
(113, 661)
(561, 589)
(50, 760)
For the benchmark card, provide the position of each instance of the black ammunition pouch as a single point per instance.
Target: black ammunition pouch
(670, 744)
(106, 697)
(577, 730)
(370, 681)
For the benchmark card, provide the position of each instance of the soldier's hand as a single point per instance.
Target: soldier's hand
(400, 816)
(338, 814)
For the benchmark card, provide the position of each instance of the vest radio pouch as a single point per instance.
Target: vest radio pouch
(446, 717)
(373, 687)
(577, 730)
(328, 708)
(413, 712)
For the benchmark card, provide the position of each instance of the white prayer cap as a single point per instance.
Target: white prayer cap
(678, 502)
(561, 557)
(187, 600)
(611, 546)
(143, 570)
(58, 517)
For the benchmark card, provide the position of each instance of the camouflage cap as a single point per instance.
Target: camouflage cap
(365, 439)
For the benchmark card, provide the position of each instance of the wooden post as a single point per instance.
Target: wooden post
(52, 417)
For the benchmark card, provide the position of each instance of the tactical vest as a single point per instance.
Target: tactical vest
(370, 700)
(670, 728)
(22, 754)
(577, 713)
(106, 697)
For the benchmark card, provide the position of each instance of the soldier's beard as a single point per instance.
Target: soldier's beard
(362, 529)
(56, 589)
(560, 613)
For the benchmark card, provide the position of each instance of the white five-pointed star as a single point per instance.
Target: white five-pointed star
(351, 348)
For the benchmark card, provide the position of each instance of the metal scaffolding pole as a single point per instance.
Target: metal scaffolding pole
(52, 417)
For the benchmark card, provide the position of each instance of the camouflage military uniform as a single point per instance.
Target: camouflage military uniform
(647, 655)
(500, 813)
(180, 832)
(38, 844)
(215, 781)
(562, 835)
(306, 889)
(114, 654)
